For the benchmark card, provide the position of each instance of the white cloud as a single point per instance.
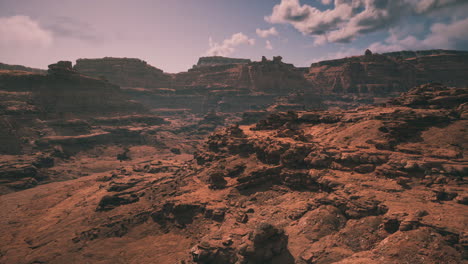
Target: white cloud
(448, 35)
(268, 45)
(348, 19)
(267, 32)
(228, 46)
(326, 2)
(69, 27)
(445, 36)
(22, 32)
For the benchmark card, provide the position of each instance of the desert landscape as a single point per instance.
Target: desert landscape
(358, 159)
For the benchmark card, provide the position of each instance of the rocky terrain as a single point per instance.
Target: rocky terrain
(376, 184)
(348, 161)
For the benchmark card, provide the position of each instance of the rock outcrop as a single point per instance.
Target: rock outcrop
(218, 61)
(372, 73)
(66, 93)
(383, 74)
(232, 87)
(125, 72)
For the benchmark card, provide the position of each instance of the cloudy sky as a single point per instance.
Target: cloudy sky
(171, 35)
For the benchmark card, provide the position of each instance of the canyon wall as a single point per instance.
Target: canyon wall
(28, 100)
(124, 72)
(382, 74)
(230, 87)
(218, 60)
(228, 84)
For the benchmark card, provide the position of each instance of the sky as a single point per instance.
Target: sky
(173, 34)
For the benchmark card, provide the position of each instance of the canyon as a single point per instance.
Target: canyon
(354, 160)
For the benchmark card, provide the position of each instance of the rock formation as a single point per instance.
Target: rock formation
(230, 87)
(65, 92)
(372, 73)
(383, 74)
(313, 172)
(62, 113)
(218, 61)
(125, 72)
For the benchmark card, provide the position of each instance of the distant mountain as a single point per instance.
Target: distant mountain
(9, 67)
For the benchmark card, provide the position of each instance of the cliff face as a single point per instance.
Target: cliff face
(125, 72)
(228, 84)
(64, 92)
(265, 76)
(365, 74)
(273, 77)
(28, 99)
(236, 87)
(389, 73)
(218, 60)
(449, 69)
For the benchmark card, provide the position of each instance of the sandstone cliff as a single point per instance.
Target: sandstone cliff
(382, 74)
(229, 87)
(364, 74)
(28, 99)
(218, 60)
(266, 76)
(66, 93)
(125, 72)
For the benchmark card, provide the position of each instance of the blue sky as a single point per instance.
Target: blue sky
(171, 35)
